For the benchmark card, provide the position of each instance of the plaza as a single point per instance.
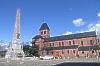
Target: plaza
(37, 62)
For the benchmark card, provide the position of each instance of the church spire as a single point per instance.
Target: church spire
(44, 30)
(43, 19)
(44, 26)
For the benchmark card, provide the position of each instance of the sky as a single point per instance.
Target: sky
(62, 16)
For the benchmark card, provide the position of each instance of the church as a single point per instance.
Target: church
(73, 45)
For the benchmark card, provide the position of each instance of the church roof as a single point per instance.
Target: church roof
(71, 36)
(44, 26)
(37, 37)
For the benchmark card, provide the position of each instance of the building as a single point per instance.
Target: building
(74, 45)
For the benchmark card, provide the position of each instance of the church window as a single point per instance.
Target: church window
(91, 42)
(82, 52)
(73, 42)
(92, 51)
(62, 43)
(44, 32)
(53, 44)
(41, 32)
(99, 53)
(59, 43)
(68, 51)
(69, 42)
(50, 44)
(62, 52)
(74, 51)
(82, 43)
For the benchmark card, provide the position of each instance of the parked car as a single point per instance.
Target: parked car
(47, 57)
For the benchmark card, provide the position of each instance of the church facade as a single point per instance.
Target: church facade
(73, 45)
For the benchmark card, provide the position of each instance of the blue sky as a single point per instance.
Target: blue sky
(63, 17)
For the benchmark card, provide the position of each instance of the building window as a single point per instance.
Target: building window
(53, 44)
(82, 52)
(41, 32)
(68, 51)
(74, 51)
(91, 42)
(50, 44)
(82, 43)
(73, 42)
(59, 43)
(44, 32)
(99, 53)
(62, 52)
(92, 52)
(69, 42)
(62, 43)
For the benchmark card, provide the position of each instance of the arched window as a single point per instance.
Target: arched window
(73, 42)
(50, 44)
(91, 42)
(53, 44)
(68, 51)
(44, 32)
(69, 42)
(62, 43)
(92, 51)
(82, 43)
(62, 52)
(59, 43)
(82, 52)
(41, 32)
(74, 51)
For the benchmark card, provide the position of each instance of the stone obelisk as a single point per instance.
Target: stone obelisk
(15, 49)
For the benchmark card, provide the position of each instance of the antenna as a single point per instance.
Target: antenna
(43, 19)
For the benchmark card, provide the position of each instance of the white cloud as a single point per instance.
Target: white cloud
(98, 14)
(91, 27)
(78, 22)
(94, 27)
(67, 33)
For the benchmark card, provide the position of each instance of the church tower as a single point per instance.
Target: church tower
(44, 30)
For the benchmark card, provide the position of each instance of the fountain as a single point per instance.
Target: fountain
(15, 49)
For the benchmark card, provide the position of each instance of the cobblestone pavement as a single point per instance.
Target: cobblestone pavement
(36, 62)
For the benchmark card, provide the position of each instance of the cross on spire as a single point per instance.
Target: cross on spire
(44, 19)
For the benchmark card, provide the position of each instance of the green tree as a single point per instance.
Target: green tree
(26, 50)
(33, 50)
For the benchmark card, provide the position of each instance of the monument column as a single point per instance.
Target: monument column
(15, 48)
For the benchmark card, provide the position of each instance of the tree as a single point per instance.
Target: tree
(33, 50)
(26, 50)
